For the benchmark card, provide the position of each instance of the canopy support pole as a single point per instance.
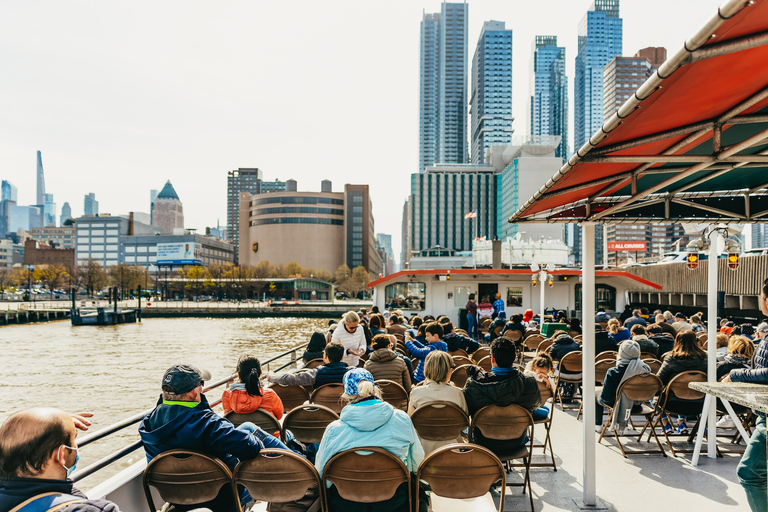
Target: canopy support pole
(712, 327)
(588, 360)
(542, 278)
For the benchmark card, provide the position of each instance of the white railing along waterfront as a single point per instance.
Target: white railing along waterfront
(177, 304)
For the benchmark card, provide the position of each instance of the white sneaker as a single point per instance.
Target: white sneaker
(726, 422)
(598, 428)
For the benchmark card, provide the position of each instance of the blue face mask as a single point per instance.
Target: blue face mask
(77, 458)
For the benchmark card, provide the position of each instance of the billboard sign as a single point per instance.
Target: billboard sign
(626, 246)
(179, 253)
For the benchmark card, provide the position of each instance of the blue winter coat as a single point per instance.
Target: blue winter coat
(420, 352)
(371, 422)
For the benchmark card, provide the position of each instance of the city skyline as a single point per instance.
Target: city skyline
(189, 110)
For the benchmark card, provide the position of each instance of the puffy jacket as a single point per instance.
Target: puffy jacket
(647, 344)
(562, 346)
(420, 352)
(634, 320)
(486, 388)
(620, 336)
(371, 422)
(666, 343)
(604, 342)
(237, 399)
(759, 372)
(456, 341)
(672, 366)
(17, 490)
(385, 364)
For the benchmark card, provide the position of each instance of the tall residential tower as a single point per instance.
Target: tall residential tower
(240, 180)
(90, 205)
(40, 198)
(491, 98)
(548, 93)
(443, 86)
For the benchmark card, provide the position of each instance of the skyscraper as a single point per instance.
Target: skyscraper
(240, 180)
(167, 211)
(548, 93)
(622, 76)
(49, 210)
(600, 40)
(90, 205)
(40, 181)
(8, 192)
(66, 213)
(443, 86)
(152, 197)
(491, 98)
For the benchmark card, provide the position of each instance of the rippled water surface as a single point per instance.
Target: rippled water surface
(115, 371)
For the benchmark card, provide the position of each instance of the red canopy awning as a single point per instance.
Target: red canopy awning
(690, 146)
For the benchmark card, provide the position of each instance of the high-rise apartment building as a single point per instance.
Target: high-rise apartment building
(49, 210)
(622, 76)
(8, 191)
(240, 180)
(443, 86)
(152, 196)
(759, 236)
(167, 211)
(90, 205)
(66, 214)
(491, 98)
(548, 93)
(40, 198)
(600, 40)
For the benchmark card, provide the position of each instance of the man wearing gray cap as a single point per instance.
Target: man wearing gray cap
(183, 419)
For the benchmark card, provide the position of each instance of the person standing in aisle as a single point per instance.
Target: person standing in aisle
(472, 316)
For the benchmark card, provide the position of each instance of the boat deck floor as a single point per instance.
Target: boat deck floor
(637, 483)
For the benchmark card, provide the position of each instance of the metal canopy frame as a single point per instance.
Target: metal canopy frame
(698, 128)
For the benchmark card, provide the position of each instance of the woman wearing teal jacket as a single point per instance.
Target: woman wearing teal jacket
(369, 421)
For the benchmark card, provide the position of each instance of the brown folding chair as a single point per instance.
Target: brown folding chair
(265, 420)
(608, 354)
(480, 353)
(485, 363)
(187, 477)
(459, 352)
(278, 476)
(647, 355)
(461, 360)
(530, 347)
(484, 325)
(314, 363)
(393, 393)
(640, 388)
(570, 362)
(601, 368)
(545, 346)
(506, 423)
(365, 475)
(439, 421)
(307, 422)
(329, 395)
(462, 471)
(546, 393)
(459, 376)
(679, 391)
(497, 332)
(291, 396)
(653, 363)
(515, 336)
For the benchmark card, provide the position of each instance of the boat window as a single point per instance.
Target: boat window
(515, 297)
(460, 296)
(406, 295)
(605, 297)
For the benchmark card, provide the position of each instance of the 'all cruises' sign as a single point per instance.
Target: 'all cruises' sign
(626, 246)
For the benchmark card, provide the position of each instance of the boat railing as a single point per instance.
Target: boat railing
(278, 361)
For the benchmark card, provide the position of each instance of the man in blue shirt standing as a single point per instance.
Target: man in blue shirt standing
(498, 305)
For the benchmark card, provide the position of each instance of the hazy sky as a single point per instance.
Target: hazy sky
(121, 98)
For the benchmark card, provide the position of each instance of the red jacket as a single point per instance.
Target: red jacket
(239, 401)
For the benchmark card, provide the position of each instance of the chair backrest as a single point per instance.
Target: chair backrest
(647, 355)
(607, 354)
(485, 363)
(462, 471)
(485, 323)
(439, 421)
(497, 331)
(512, 335)
(314, 363)
(641, 388)
(533, 342)
(187, 477)
(399, 336)
(679, 385)
(329, 395)
(502, 423)
(291, 396)
(459, 375)
(393, 393)
(544, 345)
(602, 367)
(460, 360)
(653, 363)
(571, 362)
(277, 476)
(459, 352)
(308, 422)
(577, 338)
(544, 391)
(480, 353)
(265, 420)
(366, 475)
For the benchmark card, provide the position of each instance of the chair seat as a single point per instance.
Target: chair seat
(515, 453)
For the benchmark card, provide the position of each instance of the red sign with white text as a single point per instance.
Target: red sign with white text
(626, 246)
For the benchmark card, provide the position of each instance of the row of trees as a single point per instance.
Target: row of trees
(223, 281)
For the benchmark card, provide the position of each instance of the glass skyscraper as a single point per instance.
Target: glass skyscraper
(600, 40)
(443, 86)
(548, 93)
(491, 99)
(8, 191)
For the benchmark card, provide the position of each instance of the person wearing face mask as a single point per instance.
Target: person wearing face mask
(38, 453)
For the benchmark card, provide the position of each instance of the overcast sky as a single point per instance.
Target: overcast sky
(121, 98)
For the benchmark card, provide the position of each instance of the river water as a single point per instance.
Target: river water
(115, 371)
